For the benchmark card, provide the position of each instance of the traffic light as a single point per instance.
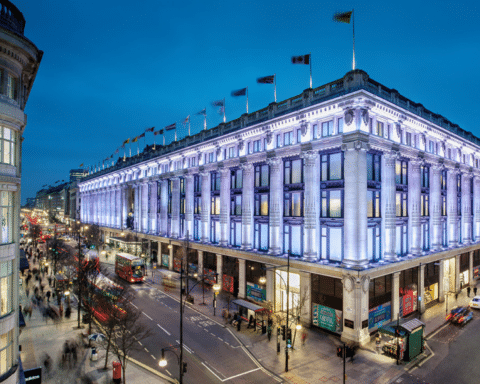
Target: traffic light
(184, 367)
(289, 336)
(283, 332)
(397, 332)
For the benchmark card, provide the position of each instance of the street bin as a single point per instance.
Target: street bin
(117, 372)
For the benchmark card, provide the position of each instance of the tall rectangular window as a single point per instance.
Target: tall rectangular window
(373, 203)
(6, 288)
(261, 236)
(401, 172)
(373, 167)
(7, 143)
(293, 204)
(332, 166)
(288, 138)
(401, 204)
(327, 128)
(215, 205)
(261, 204)
(6, 216)
(236, 180)
(332, 203)
(236, 205)
(12, 85)
(340, 125)
(256, 146)
(261, 175)
(293, 171)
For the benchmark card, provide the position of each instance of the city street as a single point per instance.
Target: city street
(455, 358)
(212, 352)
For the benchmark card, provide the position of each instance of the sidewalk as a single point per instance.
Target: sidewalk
(42, 336)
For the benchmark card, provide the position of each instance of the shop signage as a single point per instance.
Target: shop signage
(165, 260)
(33, 376)
(227, 283)
(476, 272)
(192, 269)
(379, 315)
(256, 292)
(327, 318)
(209, 276)
(349, 324)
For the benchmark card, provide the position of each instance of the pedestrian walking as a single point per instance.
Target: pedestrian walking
(48, 294)
(468, 291)
(47, 363)
(474, 291)
(49, 281)
(378, 340)
(304, 337)
(456, 296)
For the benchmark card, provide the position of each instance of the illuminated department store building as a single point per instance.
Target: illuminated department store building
(374, 199)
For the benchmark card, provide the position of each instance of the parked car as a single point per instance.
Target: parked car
(475, 302)
(453, 312)
(463, 317)
(463, 311)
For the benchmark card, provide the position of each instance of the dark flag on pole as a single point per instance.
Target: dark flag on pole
(81, 165)
(266, 79)
(240, 92)
(171, 126)
(202, 112)
(343, 17)
(160, 132)
(304, 59)
(142, 135)
(150, 129)
(218, 103)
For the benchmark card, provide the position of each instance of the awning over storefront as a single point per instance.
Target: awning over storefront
(248, 305)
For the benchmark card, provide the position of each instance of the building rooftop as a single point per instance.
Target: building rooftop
(352, 81)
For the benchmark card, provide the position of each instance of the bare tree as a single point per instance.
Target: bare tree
(128, 332)
(35, 232)
(58, 252)
(93, 236)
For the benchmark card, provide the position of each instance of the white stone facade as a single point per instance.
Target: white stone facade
(352, 181)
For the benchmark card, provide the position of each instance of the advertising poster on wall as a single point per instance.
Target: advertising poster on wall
(327, 318)
(380, 315)
(256, 292)
(165, 261)
(227, 283)
(176, 264)
(209, 276)
(476, 272)
(408, 300)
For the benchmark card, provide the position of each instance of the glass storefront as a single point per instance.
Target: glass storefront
(281, 292)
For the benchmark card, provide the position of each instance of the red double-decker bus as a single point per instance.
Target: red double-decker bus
(130, 267)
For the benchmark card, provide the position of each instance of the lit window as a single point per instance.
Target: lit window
(7, 143)
(327, 128)
(6, 219)
(12, 87)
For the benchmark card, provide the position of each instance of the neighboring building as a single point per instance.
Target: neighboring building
(30, 202)
(53, 200)
(19, 62)
(77, 174)
(374, 200)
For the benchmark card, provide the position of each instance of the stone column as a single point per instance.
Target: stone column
(189, 205)
(145, 205)
(355, 309)
(159, 254)
(452, 207)
(395, 295)
(124, 206)
(152, 216)
(206, 202)
(466, 209)
(441, 281)
(247, 206)
(457, 273)
(164, 207)
(220, 271)
(170, 258)
(471, 280)
(355, 210)
(175, 207)
(270, 275)
(224, 206)
(421, 288)
(310, 210)
(436, 207)
(138, 207)
(200, 265)
(388, 199)
(241, 279)
(306, 297)
(476, 204)
(414, 195)
(276, 206)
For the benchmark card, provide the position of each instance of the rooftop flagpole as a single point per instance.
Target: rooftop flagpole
(353, 25)
(310, 70)
(247, 100)
(275, 87)
(224, 115)
(205, 120)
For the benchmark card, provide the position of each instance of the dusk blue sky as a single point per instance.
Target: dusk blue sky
(111, 69)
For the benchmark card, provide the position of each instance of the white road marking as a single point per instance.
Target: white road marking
(134, 305)
(220, 338)
(185, 347)
(146, 350)
(166, 370)
(140, 343)
(163, 329)
(153, 357)
(147, 315)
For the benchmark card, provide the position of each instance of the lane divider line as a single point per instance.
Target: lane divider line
(147, 315)
(164, 330)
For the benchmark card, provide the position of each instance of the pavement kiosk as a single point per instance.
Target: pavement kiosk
(406, 335)
(247, 309)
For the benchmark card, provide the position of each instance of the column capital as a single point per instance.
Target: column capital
(224, 171)
(309, 157)
(391, 157)
(274, 162)
(356, 145)
(246, 167)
